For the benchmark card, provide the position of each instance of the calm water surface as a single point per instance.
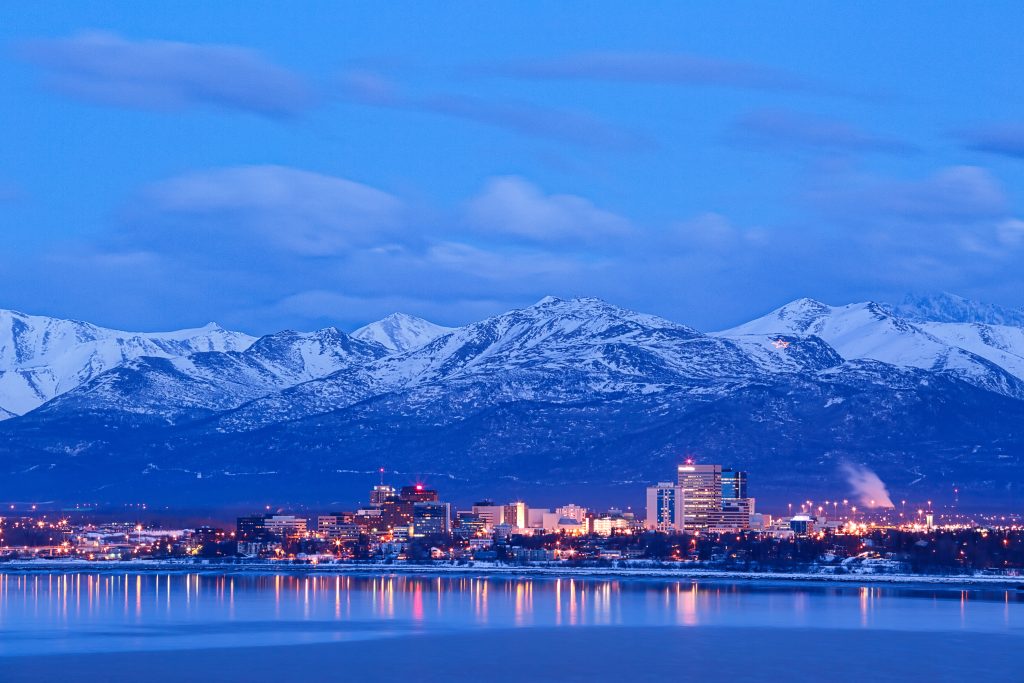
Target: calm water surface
(45, 614)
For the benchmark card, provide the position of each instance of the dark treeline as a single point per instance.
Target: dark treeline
(930, 552)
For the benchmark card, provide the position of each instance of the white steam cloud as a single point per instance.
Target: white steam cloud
(866, 486)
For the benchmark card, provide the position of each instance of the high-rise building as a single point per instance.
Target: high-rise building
(431, 518)
(278, 526)
(665, 507)
(517, 515)
(397, 512)
(337, 526)
(250, 528)
(572, 511)
(469, 525)
(735, 515)
(417, 493)
(734, 484)
(491, 514)
(702, 494)
(380, 493)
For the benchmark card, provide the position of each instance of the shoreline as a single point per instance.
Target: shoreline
(270, 568)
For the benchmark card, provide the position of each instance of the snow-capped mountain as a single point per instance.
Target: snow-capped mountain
(400, 332)
(950, 308)
(42, 357)
(209, 381)
(564, 393)
(989, 356)
(556, 350)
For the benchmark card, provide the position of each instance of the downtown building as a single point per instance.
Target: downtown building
(665, 507)
(702, 494)
(737, 507)
(704, 498)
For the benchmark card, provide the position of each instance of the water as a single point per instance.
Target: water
(105, 617)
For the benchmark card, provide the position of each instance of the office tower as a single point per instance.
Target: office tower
(665, 507)
(702, 494)
(734, 484)
(337, 526)
(517, 515)
(572, 511)
(285, 526)
(469, 525)
(735, 515)
(431, 518)
(491, 514)
(250, 528)
(380, 493)
(417, 494)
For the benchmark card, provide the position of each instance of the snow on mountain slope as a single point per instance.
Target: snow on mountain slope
(1000, 344)
(556, 350)
(401, 332)
(987, 356)
(42, 357)
(170, 388)
(950, 308)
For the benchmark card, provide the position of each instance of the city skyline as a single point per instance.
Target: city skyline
(513, 341)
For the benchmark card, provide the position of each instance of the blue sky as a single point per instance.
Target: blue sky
(298, 165)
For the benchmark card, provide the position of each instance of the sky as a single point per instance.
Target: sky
(296, 165)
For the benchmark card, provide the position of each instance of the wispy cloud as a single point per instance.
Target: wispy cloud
(1006, 139)
(653, 67)
(513, 207)
(788, 129)
(274, 246)
(276, 207)
(956, 194)
(369, 88)
(165, 75)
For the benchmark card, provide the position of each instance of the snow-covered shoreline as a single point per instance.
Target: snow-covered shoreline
(493, 569)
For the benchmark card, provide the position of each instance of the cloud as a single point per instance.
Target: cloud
(653, 67)
(164, 75)
(267, 247)
(325, 307)
(952, 194)
(287, 209)
(1006, 139)
(513, 207)
(712, 231)
(1011, 232)
(261, 247)
(369, 88)
(782, 128)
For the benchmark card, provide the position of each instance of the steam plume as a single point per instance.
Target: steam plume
(867, 486)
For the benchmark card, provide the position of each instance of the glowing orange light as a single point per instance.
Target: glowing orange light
(780, 344)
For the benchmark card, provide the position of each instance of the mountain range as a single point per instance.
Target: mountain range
(572, 397)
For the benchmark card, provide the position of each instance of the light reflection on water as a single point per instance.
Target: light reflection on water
(51, 613)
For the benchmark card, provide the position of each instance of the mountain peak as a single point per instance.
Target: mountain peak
(42, 357)
(945, 307)
(797, 317)
(400, 332)
(804, 304)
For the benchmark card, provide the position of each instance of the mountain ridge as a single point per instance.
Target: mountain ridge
(566, 391)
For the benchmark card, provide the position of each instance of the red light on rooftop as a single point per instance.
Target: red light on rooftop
(419, 487)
